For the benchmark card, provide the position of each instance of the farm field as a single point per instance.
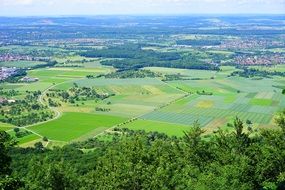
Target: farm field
(4, 127)
(71, 126)
(133, 97)
(170, 107)
(184, 72)
(278, 68)
(162, 127)
(25, 139)
(255, 102)
(58, 74)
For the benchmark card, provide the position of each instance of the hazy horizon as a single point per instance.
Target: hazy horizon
(23, 8)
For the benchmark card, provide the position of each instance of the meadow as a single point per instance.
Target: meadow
(162, 127)
(26, 139)
(71, 126)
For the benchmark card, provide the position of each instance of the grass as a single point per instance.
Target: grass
(133, 97)
(34, 86)
(278, 68)
(162, 127)
(256, 101)
(62, 74)
(177, 118)
(53, 144)
(128, 109)
(205, 104)
(221, 52)
(21, 64)
(261, 102)
(185, 72)
(5, 126)
(26, 139)
(74, 125)
(119, 82)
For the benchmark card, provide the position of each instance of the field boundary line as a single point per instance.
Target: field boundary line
(183, 91)
(138, 117)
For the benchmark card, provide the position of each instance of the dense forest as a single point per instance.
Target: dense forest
(134, 57)
(140, 160)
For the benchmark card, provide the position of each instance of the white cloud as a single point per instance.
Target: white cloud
(29, 2)
(139, 6)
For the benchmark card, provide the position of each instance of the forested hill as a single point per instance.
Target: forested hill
(139, 160)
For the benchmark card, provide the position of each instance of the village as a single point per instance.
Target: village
(6, 72)
(260, 60)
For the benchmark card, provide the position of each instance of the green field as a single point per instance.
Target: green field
(72, 126)
(184, 72)
(61, 74)
(21, 64)
(280, 68)
(245, 98)
(5, 126)
(133, 97)
(261, 102)
(25, 139)
(150, 126)
(28, 139)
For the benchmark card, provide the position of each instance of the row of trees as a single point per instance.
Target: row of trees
(140, 160)
(133, 74)
(74, 94)
(251, 72)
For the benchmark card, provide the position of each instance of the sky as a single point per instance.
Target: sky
(138, 7)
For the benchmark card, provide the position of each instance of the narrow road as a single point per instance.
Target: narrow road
(57, 113)
(40, 99)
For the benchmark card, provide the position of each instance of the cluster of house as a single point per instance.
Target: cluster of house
(29, 79)
(4, 100)
(260, 60)
(15, 57)
(6, 72)
(249, 44)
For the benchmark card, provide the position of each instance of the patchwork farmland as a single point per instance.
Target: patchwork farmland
(170, 107)
(256, 103)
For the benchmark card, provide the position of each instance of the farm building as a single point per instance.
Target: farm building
(3, 100)
(28, 79)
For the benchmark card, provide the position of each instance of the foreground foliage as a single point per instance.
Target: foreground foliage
(139, 160)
